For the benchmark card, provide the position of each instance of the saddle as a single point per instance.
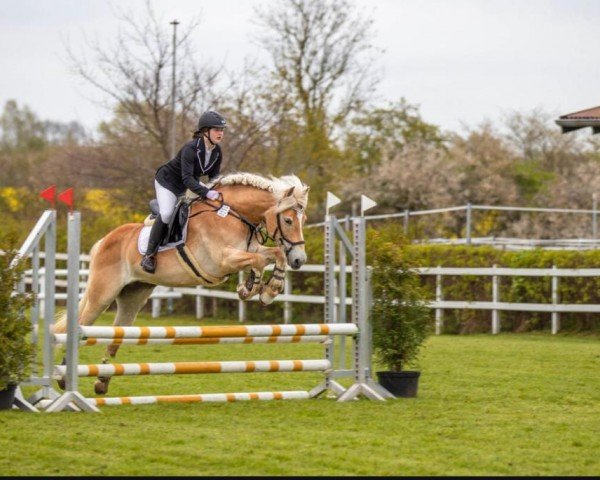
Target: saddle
(178, 220)
(175, 238)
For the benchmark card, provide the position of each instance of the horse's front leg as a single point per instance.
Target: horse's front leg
(251, 286)
(274, 286)
(236, 260)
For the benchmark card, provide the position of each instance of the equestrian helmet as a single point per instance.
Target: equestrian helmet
(211, 119)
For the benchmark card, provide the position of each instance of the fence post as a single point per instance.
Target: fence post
(495, 298)
(406, 216)
(170, 303)
(555, 315)
(241, 304)
(287, 306)
(199, 305)
(156, 302)
(439, 320)
(469, 210)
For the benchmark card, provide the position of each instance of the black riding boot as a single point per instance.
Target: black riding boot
(156, 235)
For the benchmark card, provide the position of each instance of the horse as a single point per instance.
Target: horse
(223, 237)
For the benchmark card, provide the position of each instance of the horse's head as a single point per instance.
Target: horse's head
(288, 220)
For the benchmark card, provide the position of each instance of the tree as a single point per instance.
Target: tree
(380, 133)
(135, 73)
(535, 139)
(28, 144)
(320, 75)
(486, 165)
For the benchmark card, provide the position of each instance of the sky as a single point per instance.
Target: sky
(461, 62)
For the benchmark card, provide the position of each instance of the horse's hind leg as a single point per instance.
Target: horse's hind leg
(129, 302)
(98, 296)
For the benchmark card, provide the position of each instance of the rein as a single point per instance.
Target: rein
(254, 230)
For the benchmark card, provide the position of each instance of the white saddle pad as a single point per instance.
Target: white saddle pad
(144, 236)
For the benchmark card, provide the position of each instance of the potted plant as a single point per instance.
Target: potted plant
(400, 318)
(16, 351)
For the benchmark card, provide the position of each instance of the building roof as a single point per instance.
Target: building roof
(580, 119)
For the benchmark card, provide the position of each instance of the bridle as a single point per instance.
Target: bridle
(285, 242)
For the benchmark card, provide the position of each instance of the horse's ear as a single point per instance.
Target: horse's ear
(290, 192)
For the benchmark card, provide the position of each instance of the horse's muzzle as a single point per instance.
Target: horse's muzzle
(296, 258)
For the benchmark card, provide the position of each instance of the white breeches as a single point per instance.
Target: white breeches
(166, 202)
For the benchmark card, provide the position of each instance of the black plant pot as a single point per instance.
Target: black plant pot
(7, 397)
(400, 384)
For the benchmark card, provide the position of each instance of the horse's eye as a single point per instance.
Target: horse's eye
(288, 221)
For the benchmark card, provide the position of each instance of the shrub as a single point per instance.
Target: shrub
(401, 320)
(16, 351)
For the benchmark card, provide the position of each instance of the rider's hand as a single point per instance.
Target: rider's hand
(212, 195)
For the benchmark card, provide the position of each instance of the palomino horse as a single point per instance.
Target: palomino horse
(220, 245)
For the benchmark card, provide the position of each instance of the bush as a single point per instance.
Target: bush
(16, 351)
(401, 320)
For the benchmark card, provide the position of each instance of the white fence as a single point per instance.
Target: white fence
(161, 293)
(554, 307)
(592, 242)
(496, 305)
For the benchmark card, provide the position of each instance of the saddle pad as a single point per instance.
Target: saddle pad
(144, 236)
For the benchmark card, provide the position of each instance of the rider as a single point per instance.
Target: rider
(200, 156)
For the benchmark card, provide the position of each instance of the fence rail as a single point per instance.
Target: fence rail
(554, 307)
(513, 243)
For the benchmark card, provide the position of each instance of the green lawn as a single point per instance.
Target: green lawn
(512, 404)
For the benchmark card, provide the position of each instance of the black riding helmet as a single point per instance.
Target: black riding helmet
(211, 119)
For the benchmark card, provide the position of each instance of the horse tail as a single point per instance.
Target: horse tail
(60, 321)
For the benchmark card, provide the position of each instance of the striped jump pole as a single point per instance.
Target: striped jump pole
(220, 332)
(61, 338)
(109, 370)
(196, 398)
(207, 397)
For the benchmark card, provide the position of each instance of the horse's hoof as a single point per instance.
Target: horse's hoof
(242, 292)
(100, 387)
(265, 300)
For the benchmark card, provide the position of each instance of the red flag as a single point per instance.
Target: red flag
(49, 194)
(67, 198)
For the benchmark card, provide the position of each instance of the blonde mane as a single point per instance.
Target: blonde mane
(278, 186)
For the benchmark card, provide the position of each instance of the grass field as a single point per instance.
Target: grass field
(511, 404)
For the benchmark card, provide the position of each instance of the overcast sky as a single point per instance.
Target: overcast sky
(461, 61)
